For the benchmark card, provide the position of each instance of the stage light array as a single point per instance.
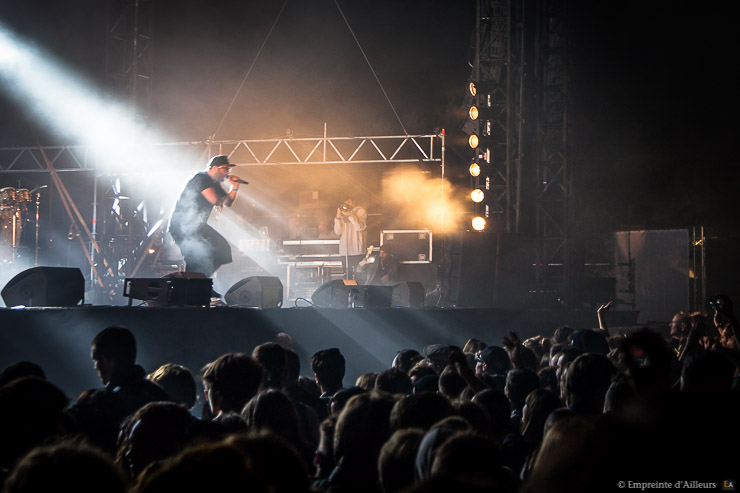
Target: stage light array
(480, 141)
(474, 169)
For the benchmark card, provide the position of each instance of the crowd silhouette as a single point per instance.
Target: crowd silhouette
(570, 411)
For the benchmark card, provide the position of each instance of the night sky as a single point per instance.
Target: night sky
(653, 97)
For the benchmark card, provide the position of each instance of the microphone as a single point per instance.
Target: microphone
(236, 179)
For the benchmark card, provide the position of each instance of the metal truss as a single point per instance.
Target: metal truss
(333, 150)
(31, 159)
(553, 177)
(401, 149)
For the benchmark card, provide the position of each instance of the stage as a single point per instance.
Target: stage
(59, 338)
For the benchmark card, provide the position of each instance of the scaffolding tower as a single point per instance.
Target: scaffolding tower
(497, 76)
(553, 212)
(128, 54)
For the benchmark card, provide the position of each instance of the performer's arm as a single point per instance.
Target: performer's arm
(219, 200)
(230, 198)
(211, 196)
(358, 218)
(338, 229)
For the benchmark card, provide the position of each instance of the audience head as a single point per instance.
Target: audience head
(474, 414)
(406, 359)
(498, 408)
(66, 466)
(328, 366)
(427, 383)
(519, 383)
(366, 381)
(19, 370)
(177, 381)
(32, 412)
(473, 346)
(397, 458)
(339, 400)
(230, 381)
(362, 429)
(393, 381)
(433, 439)
(155, 432)
(538, 406)
(204, 467)
(493, 360)
(590, 341)
(271, 356)
(549, 379)
(562, 335)
(420, 411)
(451, 383)
(272, 410)
(422, 369)
(587, 381)
(438, 354)
(529, 358)
(680, 326)
(274, 460)
(474, 458)
(285, 340)
(113, 349)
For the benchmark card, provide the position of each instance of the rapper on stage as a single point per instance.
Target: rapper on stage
(351, 224)
(204, 249)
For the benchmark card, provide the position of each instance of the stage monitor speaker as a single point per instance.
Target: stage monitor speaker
(375, 296)
(333, 294)
(345, 294)
(256, 292)
(45, 286)
(408, 294)
(175, 289)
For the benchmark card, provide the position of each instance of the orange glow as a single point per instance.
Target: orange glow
(479, 224)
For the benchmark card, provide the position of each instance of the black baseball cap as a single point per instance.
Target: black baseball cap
(220, 160)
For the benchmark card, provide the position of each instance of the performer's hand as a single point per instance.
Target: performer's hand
(339, 213)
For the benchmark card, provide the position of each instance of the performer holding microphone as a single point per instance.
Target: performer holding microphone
(204, 249)
(351, 224)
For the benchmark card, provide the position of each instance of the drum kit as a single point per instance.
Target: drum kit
(15, 209)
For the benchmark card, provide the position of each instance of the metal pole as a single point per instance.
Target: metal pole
(703, 267)
(94, 227)
(38, 203)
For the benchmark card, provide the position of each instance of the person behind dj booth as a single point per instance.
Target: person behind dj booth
(350, 224)
(380, 268)
(204, 249)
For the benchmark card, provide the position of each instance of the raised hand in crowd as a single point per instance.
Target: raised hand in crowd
(600, 314)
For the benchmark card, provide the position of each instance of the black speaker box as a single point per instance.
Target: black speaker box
(409, 294)
(336, 294)
(372, 296)
(177, 289)
(257, 292)
(45, 286)
(333, 294)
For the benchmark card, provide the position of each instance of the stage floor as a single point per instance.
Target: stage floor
(59, 338)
